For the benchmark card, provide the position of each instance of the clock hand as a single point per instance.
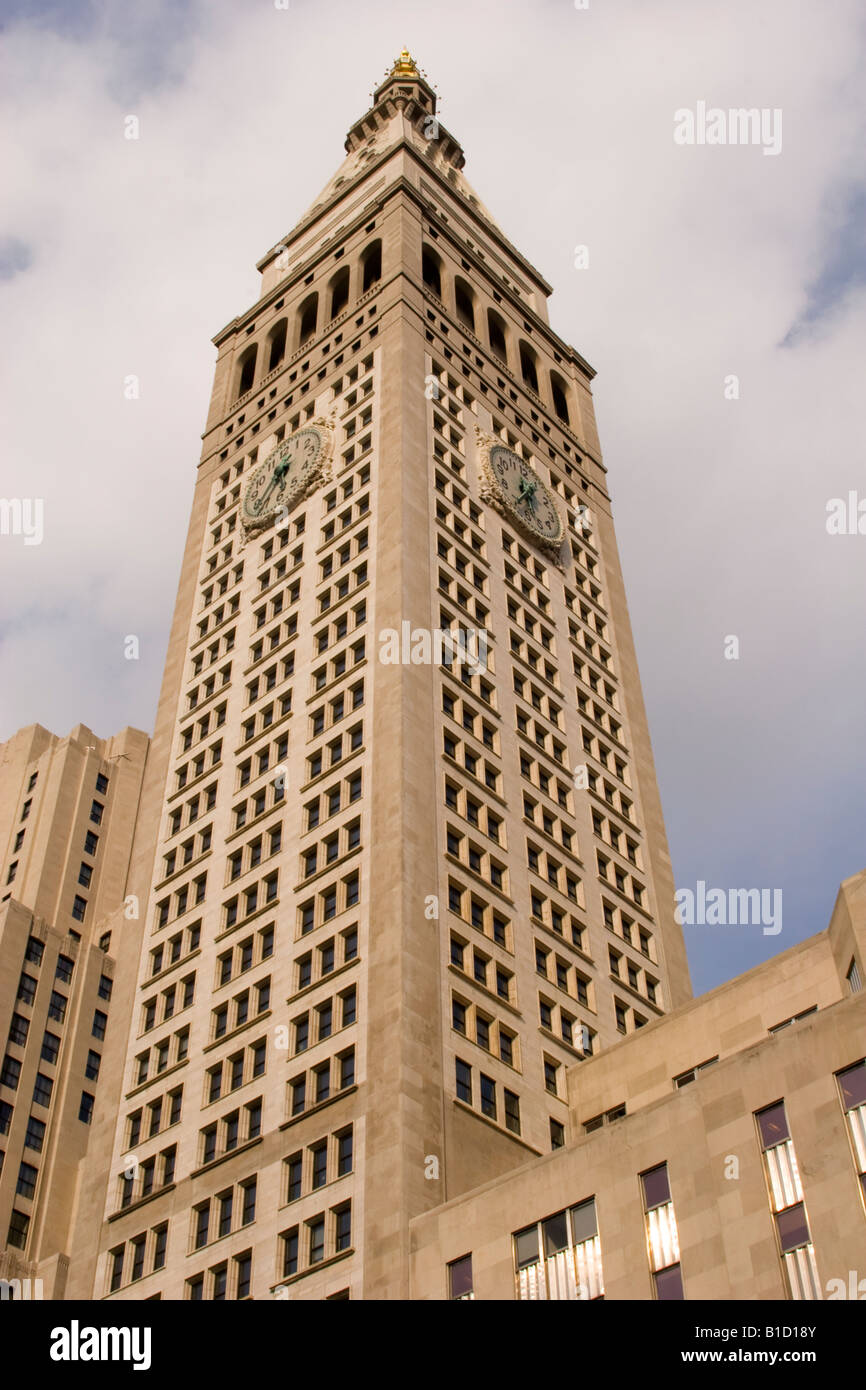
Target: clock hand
(279, 473)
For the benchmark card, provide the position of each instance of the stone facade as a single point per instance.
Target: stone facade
(686, 1094)
(67, 814)
(403, 957)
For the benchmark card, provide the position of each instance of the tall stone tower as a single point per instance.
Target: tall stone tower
(391, 886)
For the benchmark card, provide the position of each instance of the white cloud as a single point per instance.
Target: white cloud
(701, 261)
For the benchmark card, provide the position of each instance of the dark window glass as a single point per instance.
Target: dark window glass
(669, 1284)
(555, 1233)
(773, 1125)
(584, 1224)
(852, 1083)
(793, 1227)
(460, 1277)
(656, 1188)
(526, 1247)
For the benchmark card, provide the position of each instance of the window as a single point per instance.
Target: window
(290, 1252)
(224, 1209)
(243, 1274)
(371, 261)
(35, 1135)
(488, 1096)
(460, 1278)
(26, 989)
(201, 1222)
(662, 1234)
(10, 1073)
(65, 966)
(343, 1228)
(464, 1081)
(18, 1226)
(19, 1029)
(316, 1230)
(560, 1257)
(100, 1022)
(35, 950)
(26, 1184)
(42, 1088)
(344, 1153)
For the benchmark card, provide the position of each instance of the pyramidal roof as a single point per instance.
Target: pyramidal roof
(403, 113)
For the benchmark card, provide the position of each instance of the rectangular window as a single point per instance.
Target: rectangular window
(316, 1232)
(65, 967)
(42, 1088)
(460, 1278)
(26, 1184)
(559, 1258)
(290, 1252)
(662, 1234)
(512, 1111)
(787, 1202)
(18, 1029)
(343, 1228)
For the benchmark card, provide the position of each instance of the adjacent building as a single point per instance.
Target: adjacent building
(719, 1156)
(67, 814)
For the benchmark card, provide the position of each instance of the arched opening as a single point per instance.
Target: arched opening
(496, 334)
(371, 260)
(339, 291)
(464, 304)
(246, 370)
(308, 315)
(559, 392)
(277, 344)
(527, 367)
(431, 271)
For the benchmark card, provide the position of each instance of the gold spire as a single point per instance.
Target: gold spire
(405, 65)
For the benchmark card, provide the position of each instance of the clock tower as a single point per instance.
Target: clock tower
(384, 905)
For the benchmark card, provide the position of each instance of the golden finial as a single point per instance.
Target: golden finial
(405, 65)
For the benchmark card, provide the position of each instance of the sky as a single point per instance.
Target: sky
(704, 262)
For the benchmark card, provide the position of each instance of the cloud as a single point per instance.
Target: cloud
(703, 262)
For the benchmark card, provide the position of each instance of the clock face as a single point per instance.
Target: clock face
(525, 495)
(283, 476)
